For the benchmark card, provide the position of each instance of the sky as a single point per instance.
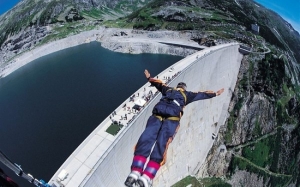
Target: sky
(289, 10)
(5, 5)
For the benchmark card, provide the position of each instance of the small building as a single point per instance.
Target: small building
(255, 28)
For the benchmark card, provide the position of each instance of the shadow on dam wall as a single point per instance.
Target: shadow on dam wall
(210, 69)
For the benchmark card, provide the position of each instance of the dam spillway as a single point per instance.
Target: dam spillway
(103, 160)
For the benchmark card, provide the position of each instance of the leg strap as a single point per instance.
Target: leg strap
(138, 163)
(174, 118)
(151, 169)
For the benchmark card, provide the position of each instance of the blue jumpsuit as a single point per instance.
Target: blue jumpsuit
(162, 126)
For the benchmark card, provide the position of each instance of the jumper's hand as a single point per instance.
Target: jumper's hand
(209, 91)
(219, 92)
(147, 74)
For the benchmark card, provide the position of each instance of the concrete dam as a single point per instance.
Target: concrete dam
(104, 160)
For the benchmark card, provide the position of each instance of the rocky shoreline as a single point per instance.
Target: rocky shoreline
(118, 40)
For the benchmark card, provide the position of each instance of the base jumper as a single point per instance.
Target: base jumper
(160, 130)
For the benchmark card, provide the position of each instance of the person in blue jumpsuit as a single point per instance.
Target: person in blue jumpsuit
(160, 130)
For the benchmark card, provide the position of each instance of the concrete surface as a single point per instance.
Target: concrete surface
(103, 160)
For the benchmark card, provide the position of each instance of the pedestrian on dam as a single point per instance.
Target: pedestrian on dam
(160, 130)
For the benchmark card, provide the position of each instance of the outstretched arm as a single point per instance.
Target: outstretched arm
(195, 96)
(155, 82)
(147, 74)
(219, 92)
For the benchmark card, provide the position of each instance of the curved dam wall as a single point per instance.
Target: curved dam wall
(211, 69)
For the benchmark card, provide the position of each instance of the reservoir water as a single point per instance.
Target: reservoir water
(49, 106)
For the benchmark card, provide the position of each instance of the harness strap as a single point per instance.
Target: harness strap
(182, 93)
(174, 118)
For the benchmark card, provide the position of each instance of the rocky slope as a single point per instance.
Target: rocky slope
(31, 22)
(262, 133)
(118, 40)
(221, 20)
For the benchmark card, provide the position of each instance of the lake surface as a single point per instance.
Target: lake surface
(49, 106)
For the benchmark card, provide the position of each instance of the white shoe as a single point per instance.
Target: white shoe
(144, 181)
(132, 178)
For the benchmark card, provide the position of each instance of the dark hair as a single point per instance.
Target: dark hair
(182, 85)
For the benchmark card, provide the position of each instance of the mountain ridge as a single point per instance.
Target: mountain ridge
(261, 135)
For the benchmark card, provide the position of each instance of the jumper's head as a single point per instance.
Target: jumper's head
(181, 85)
